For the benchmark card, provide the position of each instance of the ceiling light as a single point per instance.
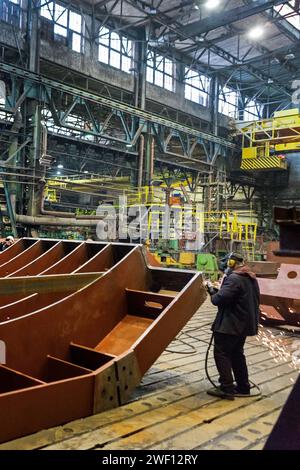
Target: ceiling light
(256, 33)
(60, 166)
(151, 10)
(85, 171)
(290, 56)
(58, 172)
(211, 4)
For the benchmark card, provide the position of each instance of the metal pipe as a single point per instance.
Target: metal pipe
(152, 159)
(57, 221)
(141, 161)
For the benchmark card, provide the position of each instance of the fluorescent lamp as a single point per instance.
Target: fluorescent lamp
(256, 33)
(211, 4)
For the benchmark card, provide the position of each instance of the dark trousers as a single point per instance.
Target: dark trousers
(229, 357)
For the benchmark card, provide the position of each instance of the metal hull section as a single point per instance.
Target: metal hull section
(81, 336)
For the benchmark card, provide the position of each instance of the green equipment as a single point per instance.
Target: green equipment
(208, 264)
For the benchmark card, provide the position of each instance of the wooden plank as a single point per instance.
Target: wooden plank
(177, 418)
(255, 430)
(190, 428)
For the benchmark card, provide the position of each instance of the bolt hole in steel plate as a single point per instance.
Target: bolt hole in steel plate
(292, 275)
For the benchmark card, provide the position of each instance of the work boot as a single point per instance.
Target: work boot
(238, 392)
(217, 392)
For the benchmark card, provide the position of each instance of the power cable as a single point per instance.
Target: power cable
(194, 351)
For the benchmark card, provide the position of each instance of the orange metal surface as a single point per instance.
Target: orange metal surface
(18, 247)
(274, 247)
(282, 294)
(71, 352)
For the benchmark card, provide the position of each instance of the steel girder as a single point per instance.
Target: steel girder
(86, 114)
(227, 17)
(175, 28)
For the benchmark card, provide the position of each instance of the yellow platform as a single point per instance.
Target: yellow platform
(264, 163)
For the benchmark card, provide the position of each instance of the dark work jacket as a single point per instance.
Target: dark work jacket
(238, 304)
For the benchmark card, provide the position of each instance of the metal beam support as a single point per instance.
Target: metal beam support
(227, 17)
(97, 99)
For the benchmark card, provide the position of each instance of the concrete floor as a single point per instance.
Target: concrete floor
(171, 410)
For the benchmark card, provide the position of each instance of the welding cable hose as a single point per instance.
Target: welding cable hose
(252, 384)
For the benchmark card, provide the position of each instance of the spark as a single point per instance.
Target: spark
(279, 347)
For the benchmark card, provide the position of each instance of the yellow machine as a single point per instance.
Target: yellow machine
(266, 142)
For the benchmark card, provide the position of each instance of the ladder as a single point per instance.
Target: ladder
(248, 249)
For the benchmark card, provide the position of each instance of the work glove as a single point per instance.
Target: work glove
(210, 288)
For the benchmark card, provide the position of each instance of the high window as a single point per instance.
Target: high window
(62, 24)
(160, 70)
(228, 102)
(10, 12)
(115, 50)
(290, 11)
(253, 110)
(196, 87)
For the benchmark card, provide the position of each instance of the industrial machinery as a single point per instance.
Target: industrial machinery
(208, 264)
(266, 142)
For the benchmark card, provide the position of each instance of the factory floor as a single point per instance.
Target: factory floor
(171, 410)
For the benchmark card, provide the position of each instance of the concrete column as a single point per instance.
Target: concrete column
(33, 35)
(91, 44)
(179, 84)
(140, 71)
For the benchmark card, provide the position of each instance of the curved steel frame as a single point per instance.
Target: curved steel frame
(73, 351)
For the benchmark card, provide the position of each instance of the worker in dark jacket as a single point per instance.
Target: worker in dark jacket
(237, 317)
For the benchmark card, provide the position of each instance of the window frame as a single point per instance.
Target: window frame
(157, 72)
(228, 106)
(117, 48)
(248, 115)
(13, 13)
(54, 12)
(195, 93)
(288, 9)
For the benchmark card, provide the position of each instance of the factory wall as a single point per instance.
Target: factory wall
(88, 64)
